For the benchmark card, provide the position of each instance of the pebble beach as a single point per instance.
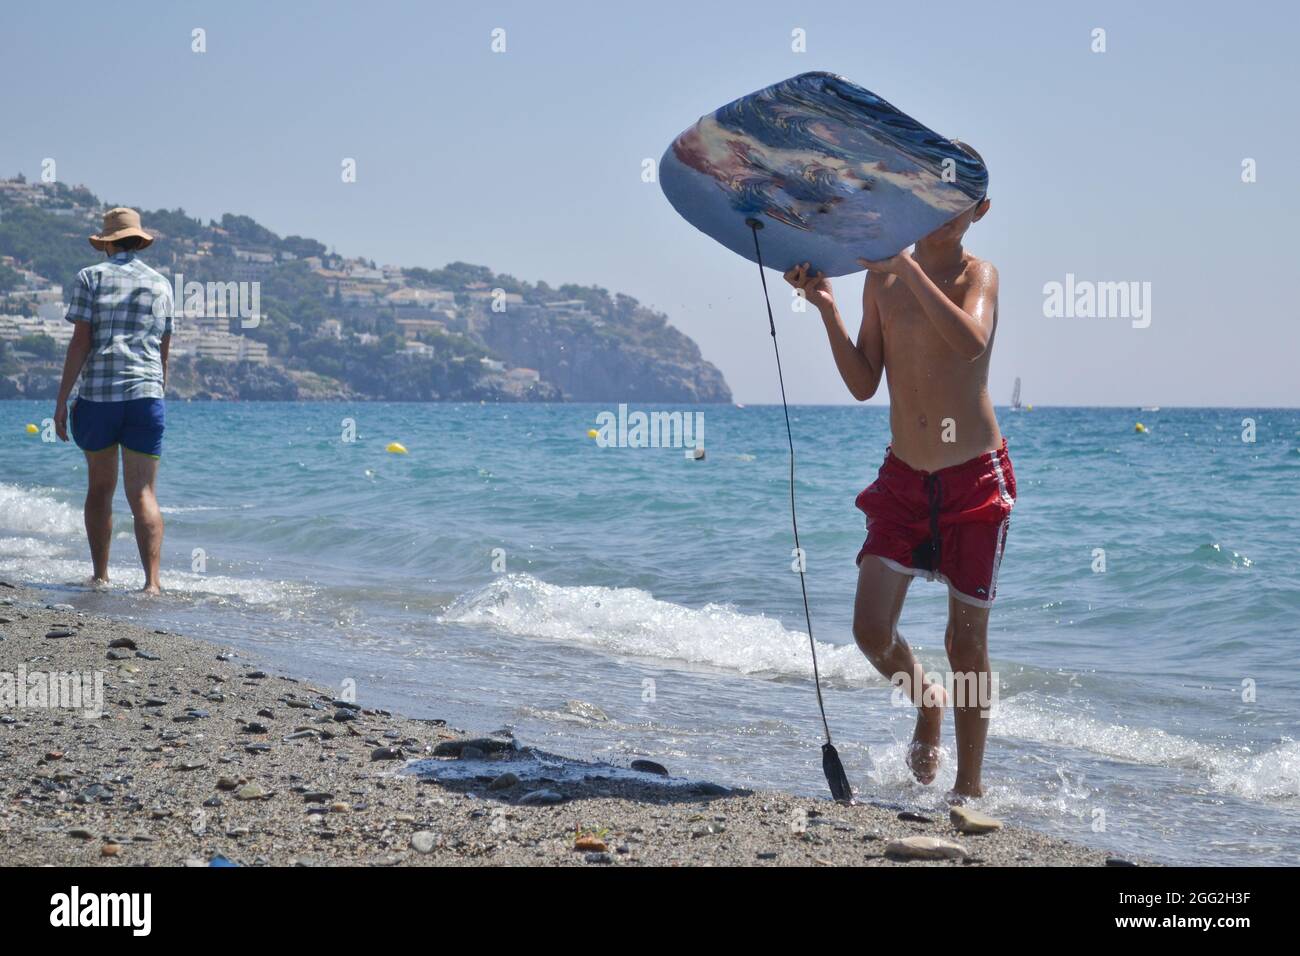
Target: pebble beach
(191, 755)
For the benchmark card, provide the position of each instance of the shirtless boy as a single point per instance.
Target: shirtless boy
(940, 506)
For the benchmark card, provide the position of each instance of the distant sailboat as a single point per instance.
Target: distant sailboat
(1015, 396)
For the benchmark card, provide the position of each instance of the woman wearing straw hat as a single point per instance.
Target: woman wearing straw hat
(122, 312)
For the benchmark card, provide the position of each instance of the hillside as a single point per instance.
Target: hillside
(272, 317)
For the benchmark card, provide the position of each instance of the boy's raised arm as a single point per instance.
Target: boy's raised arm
(968, 328)
(871, 337)
(860, 364)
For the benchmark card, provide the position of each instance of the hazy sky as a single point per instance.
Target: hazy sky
(1117, 166)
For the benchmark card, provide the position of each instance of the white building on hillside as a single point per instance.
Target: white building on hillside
(15, 327)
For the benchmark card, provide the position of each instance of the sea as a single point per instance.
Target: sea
(510, 573)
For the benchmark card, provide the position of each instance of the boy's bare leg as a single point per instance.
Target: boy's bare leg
(876, 609)
(140, 473)
(100, 488)
(968, 655)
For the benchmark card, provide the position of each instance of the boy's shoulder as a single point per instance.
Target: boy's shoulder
(981, 271)
(974, 271)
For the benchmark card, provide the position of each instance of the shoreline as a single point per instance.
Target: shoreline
(199, 754)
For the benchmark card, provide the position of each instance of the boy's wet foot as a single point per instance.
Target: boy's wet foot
(96, 584)
(151, 590)
(923, 754)
(960, 794)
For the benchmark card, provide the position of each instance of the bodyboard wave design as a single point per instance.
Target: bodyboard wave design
(833, 172)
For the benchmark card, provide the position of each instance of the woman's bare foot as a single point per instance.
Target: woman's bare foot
(151, 590)
(96, 584)
(923, 754)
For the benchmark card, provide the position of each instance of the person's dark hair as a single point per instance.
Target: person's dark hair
(969, 150)
(129, 243)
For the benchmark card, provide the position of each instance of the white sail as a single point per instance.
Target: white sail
(1015, 394)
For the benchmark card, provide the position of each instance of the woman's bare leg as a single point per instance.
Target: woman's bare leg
(140, 474)
(100, 487)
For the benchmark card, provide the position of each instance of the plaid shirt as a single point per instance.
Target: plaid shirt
(129, 307)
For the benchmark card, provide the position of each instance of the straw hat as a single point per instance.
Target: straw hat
(118, 224)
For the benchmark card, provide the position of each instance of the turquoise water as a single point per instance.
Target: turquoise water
(647, 607)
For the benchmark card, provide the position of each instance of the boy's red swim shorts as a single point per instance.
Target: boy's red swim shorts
(949, 525)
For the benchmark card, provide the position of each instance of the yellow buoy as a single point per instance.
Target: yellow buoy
(395, 448)
(32, 429)
(592, 433)
(1140, 428)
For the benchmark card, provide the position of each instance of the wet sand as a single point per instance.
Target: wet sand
(199, 754)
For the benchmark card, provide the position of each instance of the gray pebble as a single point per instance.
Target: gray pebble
(541, 798)
(649, 766)
(453, 748)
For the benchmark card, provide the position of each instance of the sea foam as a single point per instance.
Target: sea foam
(633, 622)
(33, 512)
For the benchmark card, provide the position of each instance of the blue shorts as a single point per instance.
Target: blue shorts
(136, 424)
